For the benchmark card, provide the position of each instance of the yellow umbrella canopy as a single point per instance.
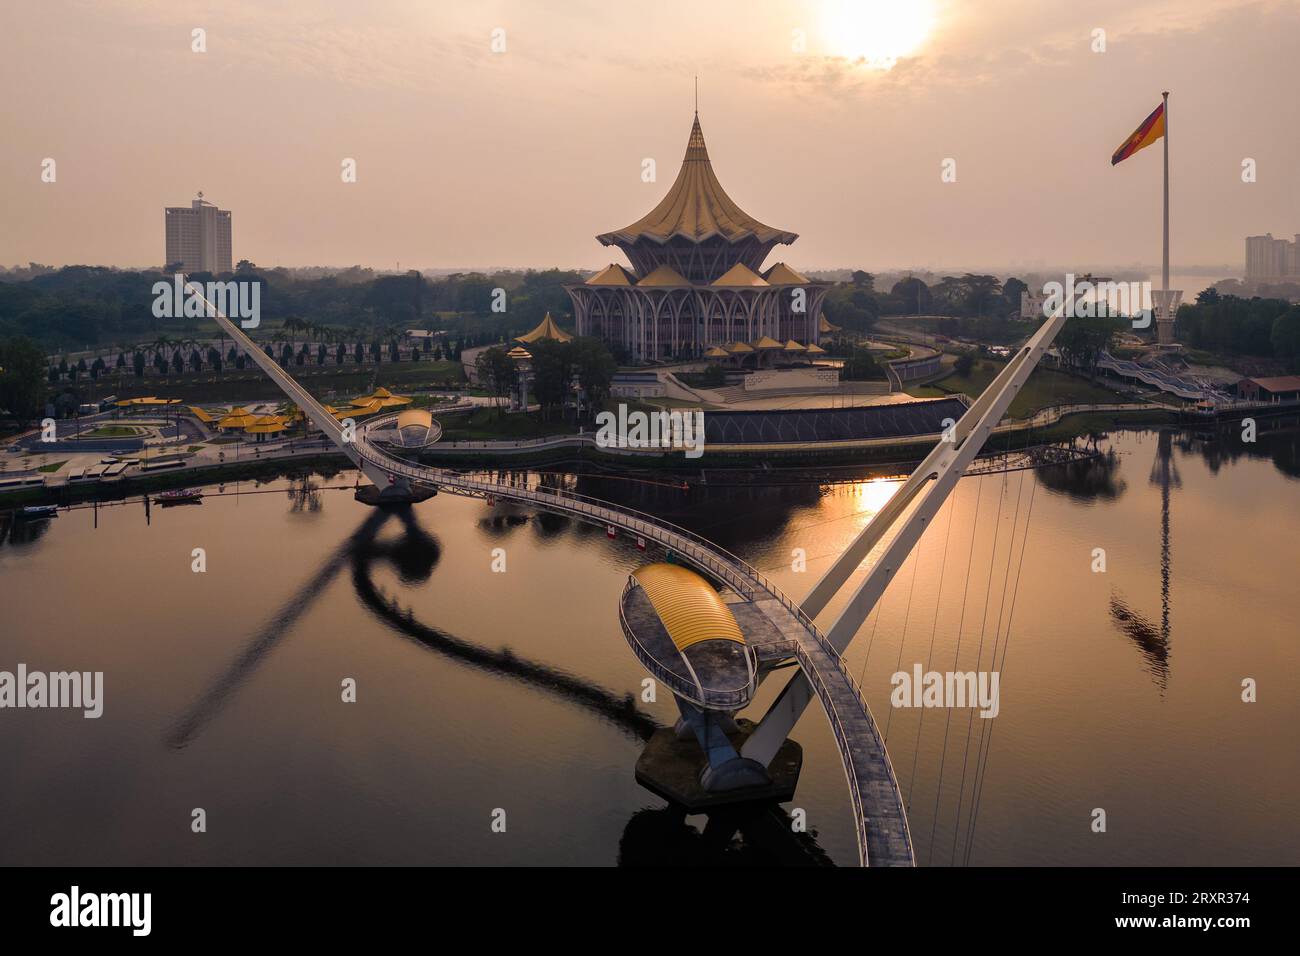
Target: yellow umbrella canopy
(767, 342)
(715, 352)
(815, 349)
(793, 346)
(738, 347)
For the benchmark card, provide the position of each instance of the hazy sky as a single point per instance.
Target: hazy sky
(466, 157)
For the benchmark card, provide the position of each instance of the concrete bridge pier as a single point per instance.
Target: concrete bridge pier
(697, 763)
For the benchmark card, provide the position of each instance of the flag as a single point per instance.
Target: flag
(1152, 128)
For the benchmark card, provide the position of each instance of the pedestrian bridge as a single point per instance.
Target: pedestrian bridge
(879, 816)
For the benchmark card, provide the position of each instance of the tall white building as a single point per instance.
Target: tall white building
(1269, 258)
(198, 237)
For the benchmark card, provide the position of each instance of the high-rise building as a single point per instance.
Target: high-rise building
(198, 238)
(1269, 258)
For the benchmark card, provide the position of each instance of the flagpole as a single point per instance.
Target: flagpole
(1164, 272)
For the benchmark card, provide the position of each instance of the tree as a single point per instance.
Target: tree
(861, 366)
(863, 280)
(137, 364)
(715, 376)
(1082, 340)
(914, 294)
(22, 368)
(1011, 290)
(497, 371)
(595, 368)
(964, 364)
(1286, 336)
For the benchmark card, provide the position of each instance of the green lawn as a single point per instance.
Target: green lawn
(1044, 388)
(113, 431)
(490, 425)
(52, 467)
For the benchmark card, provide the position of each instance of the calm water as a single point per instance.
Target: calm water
(479, 690)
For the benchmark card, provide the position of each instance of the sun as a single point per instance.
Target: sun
(876, 33)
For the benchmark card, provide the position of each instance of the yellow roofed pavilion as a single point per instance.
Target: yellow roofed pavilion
(546, 330)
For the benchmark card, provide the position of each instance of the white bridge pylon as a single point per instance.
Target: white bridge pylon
(927, 487)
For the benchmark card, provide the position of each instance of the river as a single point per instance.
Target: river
(481, 691)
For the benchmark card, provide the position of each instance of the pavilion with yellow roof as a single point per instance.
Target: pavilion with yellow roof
(697, 279)
(546, 329)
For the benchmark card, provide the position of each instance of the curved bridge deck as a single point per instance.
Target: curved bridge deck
(881, 821)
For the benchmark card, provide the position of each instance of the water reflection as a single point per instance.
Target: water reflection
(740, 836)
(413, 554)
(1087, 479)
(1277, 439)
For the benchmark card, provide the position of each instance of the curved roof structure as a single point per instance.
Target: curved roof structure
(612, 274)
(691, 611)
(782, 274)
(546, 329)
(696, 208)
(416, 428)
(663, 276)
(740, 276)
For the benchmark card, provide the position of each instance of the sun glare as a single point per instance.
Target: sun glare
(876, 33)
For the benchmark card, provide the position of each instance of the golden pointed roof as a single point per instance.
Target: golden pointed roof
(546, 329)
(612, 274)
(793, 346)
(740, 275)
(825, 326)
(715, 352)
(664, 276)
(519, 354)
(738, 347)
(767, 342)
(782, 274)
(696, 207)
(815, 349)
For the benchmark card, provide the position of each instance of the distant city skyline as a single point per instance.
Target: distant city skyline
(470, 158)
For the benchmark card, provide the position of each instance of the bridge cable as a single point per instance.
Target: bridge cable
(1005, 647)
(943, 754)
(902, 642)
(981, 771)
(981, 754)
(934, 628)
(961, 792)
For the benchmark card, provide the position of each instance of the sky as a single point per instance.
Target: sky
(831, 119)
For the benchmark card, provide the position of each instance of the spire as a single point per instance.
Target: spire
(696, 151)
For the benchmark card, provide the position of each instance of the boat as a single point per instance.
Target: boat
(178, 496)
(35, 512)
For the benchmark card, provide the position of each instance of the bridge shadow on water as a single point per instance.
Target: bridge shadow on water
(754, 835)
